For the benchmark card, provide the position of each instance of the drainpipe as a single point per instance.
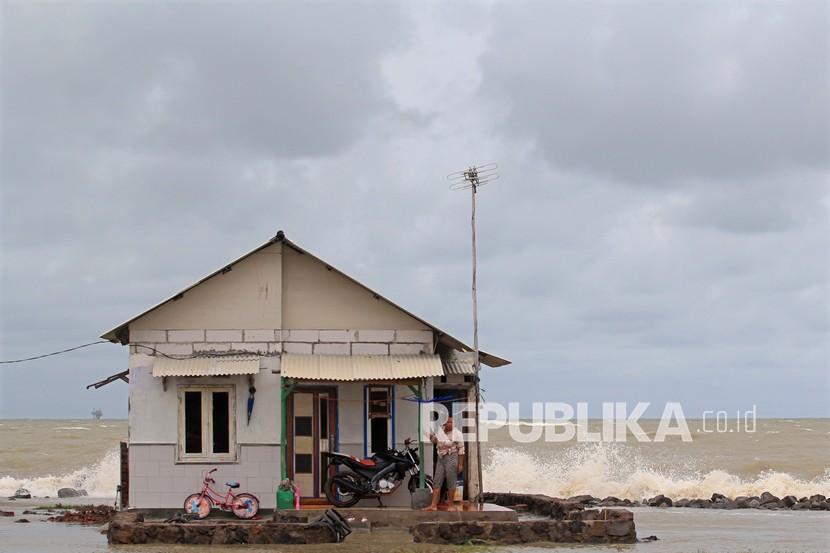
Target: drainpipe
(283, 429)
(421, 472)
(286, 389)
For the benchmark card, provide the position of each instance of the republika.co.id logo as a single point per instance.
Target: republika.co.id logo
(560, 422)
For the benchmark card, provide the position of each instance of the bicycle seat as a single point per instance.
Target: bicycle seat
(232, 484)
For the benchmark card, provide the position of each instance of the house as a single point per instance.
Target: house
(324, 362)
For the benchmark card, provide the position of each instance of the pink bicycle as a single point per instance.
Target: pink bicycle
(243, 505)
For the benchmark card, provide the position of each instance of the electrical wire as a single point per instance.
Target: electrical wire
(54, 353)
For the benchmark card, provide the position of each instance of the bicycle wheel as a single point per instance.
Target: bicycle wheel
(245, 506)
(198, 504)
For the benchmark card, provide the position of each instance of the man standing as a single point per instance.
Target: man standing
(450, 448)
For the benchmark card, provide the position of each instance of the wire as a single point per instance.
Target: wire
(199, 355)
(54, 353)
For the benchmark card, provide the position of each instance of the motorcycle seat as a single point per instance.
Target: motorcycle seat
(232, 485)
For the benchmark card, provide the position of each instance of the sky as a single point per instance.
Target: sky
(660, 230)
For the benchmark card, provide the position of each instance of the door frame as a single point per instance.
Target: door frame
(333, 423)
(463, 390)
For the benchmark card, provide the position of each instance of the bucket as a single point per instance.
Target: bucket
(459, 490)
(285, 499)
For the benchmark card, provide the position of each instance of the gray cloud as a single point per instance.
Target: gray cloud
(661, 223)
(655, 92)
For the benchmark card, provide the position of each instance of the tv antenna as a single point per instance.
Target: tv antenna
(471, 179)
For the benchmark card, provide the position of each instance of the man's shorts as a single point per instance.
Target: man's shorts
(446, 469)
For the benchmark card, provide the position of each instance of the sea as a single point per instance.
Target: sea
(781, 456)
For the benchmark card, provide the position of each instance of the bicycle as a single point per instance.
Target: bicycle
(243, 505)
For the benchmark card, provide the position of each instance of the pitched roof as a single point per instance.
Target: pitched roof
(119, 333)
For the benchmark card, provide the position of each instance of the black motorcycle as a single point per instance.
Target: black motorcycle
(380, 475)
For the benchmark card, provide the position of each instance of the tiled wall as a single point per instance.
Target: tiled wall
(274, 341)
(156, 481)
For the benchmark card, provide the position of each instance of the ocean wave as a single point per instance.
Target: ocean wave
(605, 470)
(70, 428)
(99, 480)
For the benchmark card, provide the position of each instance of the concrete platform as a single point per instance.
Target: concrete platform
(405, 517)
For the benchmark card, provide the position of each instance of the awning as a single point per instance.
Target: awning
(360, 367)
(459, 367)
(207, 366)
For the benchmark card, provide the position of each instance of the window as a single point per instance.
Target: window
(379, 405)
(379, 412)
(207, 423)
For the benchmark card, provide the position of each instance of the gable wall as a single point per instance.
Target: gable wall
(315, 297)
(247, 297)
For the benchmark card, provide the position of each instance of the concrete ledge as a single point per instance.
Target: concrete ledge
(404, 517)
(526, 531)
(538, 504)
(130, 528)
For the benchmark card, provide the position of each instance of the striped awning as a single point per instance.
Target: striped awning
(456, 366)
(360, 367)
(207, 366)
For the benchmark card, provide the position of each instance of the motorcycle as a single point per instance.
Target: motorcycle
(376, 477)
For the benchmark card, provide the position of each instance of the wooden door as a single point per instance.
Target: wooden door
(312, 434)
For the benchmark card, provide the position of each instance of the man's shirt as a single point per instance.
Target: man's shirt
(450, 442)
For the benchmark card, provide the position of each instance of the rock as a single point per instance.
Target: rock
(818, 497)
(788, 501)
(700, 504)
(767, 498)
(22, 520)
(584, 499)
(650, 538)
(754, 503)
(718, 498)
(71, 492)
(22, 493)
(86, 514)
(659, 501)
(742, 502)
(683, 502)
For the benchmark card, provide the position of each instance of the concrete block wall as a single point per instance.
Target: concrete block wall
(157, 481)
(273, 341)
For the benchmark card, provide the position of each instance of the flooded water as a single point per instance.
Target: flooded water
(679, 530)
(781, 456)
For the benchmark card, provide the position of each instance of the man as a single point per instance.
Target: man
(450, 448)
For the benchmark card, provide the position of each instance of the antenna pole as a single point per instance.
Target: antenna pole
(480, 498)
(474, 177)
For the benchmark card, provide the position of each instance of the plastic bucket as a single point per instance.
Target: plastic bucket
(285, 499)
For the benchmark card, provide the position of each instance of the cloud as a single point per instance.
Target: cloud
(660, 224)
(651, 94)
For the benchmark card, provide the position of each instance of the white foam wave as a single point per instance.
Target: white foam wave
(605, 470)
(99, 480)
(70, 428)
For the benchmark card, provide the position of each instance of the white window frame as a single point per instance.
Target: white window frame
(207, 454)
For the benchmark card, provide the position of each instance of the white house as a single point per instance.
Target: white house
(342, 360)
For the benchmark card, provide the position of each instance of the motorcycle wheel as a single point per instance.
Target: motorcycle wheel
(340, 496)
(413, 483)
